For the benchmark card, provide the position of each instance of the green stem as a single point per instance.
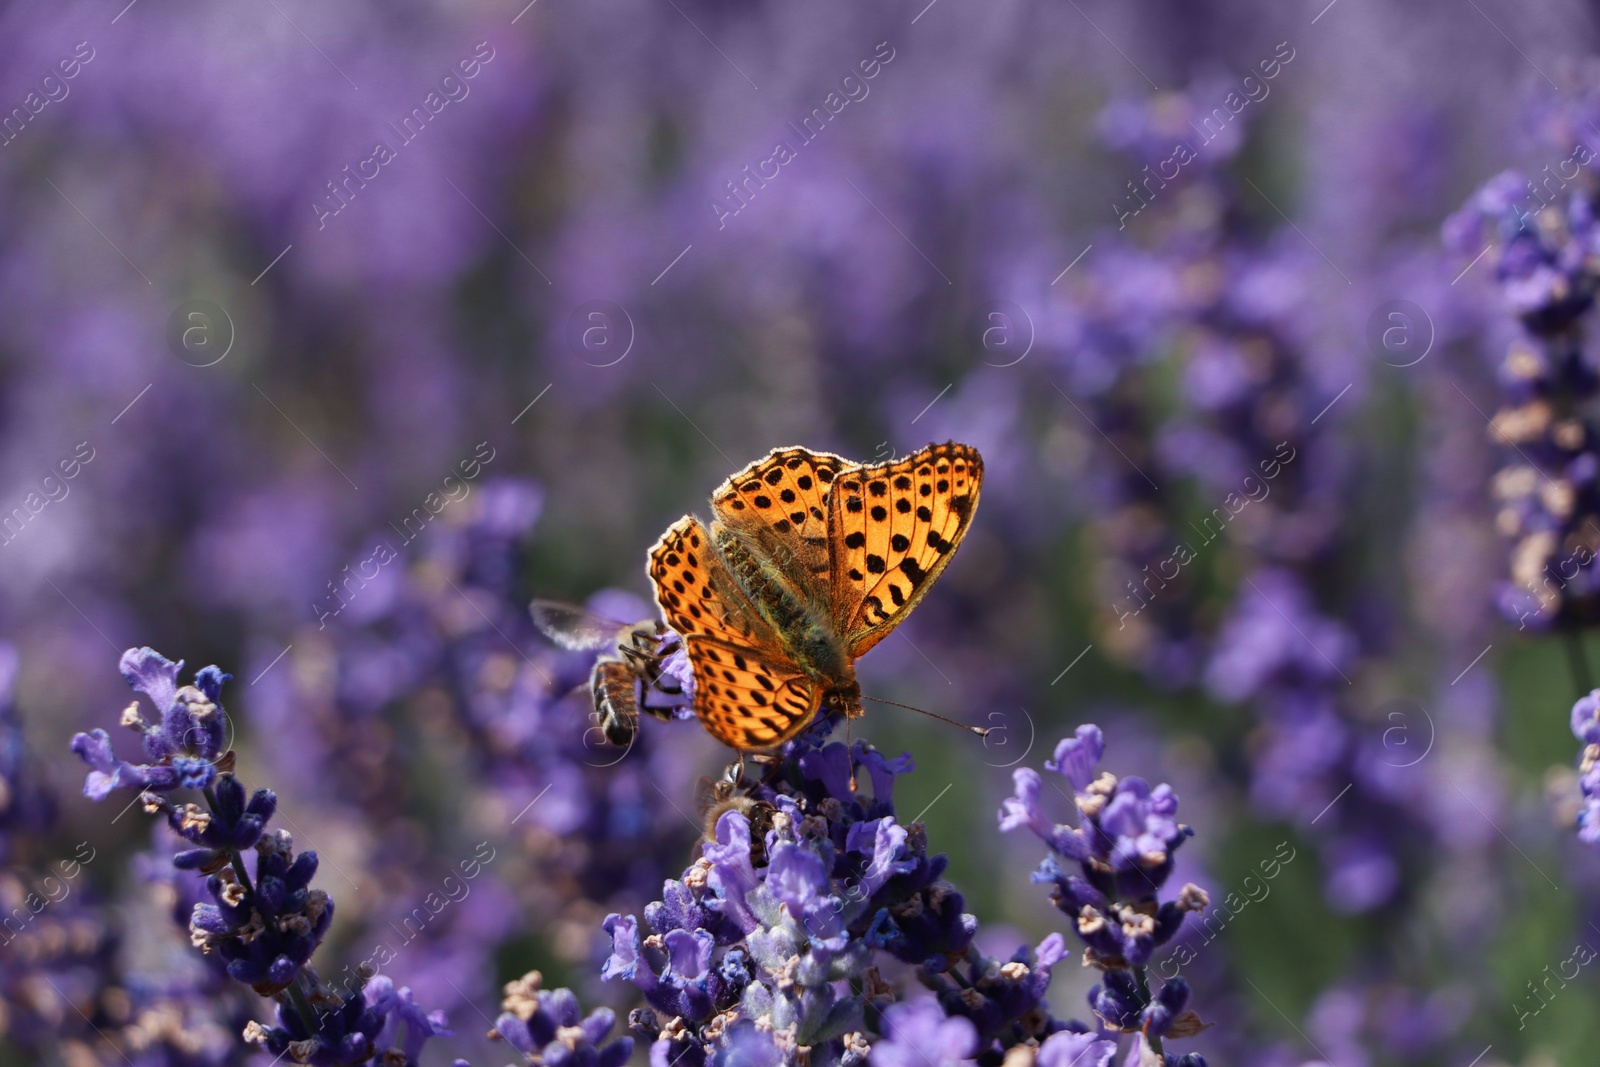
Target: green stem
(297, 998)
(1579, 662)
(295, 995)
(234, 854)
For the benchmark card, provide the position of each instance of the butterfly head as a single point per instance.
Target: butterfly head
(844, 700)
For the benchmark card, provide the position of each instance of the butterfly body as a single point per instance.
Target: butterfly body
(810, 561)
(778, 593)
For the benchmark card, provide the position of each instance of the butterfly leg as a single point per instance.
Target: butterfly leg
(771, 761)
(735, 773)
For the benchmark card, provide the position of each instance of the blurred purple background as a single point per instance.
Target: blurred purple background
(276, 277)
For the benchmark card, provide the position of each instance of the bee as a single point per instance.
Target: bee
(715, 797)
(632, 656)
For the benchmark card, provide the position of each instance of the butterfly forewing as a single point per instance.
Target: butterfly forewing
(782, 503)
(892, 530)
(695, 591)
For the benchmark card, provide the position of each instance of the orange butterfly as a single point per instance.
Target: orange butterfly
(809, 562)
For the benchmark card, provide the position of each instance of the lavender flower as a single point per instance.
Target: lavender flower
(731, 942)
(1586, 728)
(788, 939)
(69, 944)
(375, 1023)
(1249, 433)
(443, 637)
(1003, 999)
(548, 1027)
(1543, 255)
(25, 806)
(1540, 250)
(182, 747)
(1541, 236)
(265, 922)
(1119, 857)
(918, 1032)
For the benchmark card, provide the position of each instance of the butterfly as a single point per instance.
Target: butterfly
(810, 561)
(627, 672)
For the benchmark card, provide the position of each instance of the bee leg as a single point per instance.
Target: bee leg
(636, 655)
(648, 641)
(612, 685)
(644, 639)
(659, 679)
(664, 714)
(641, 653)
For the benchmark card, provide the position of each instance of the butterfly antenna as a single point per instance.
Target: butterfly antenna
(981, 731)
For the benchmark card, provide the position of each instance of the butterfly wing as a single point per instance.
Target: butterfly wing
(695, 592)
(745, 699)
(892, 529)
(748, 692)
(781, 502)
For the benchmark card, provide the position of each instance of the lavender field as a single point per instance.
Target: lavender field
(334, 336)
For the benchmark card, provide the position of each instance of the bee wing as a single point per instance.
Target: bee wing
(573, 628)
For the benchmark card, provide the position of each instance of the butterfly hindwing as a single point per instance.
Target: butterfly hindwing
(748, 692)
(892, 529)
(782, 502)
(746, 700)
